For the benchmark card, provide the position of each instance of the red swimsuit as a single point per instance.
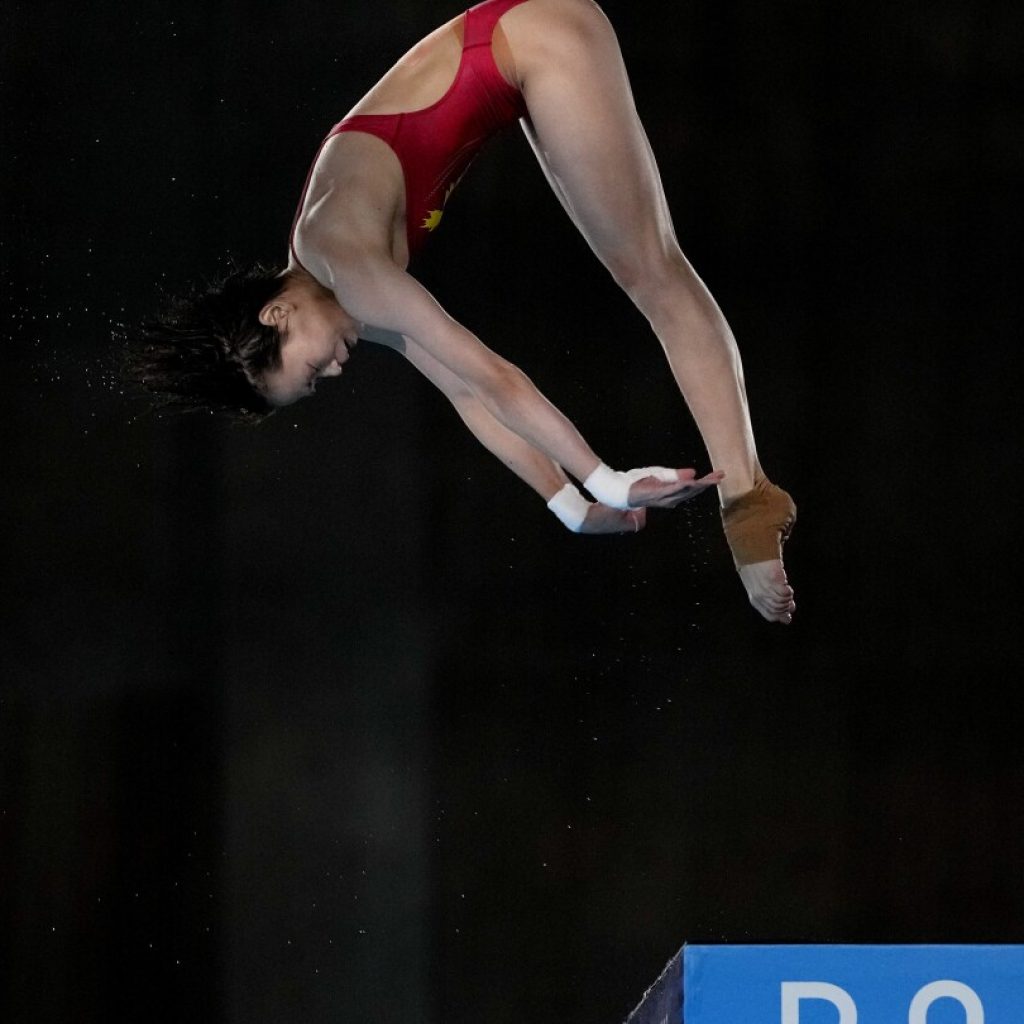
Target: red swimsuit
(435, 145)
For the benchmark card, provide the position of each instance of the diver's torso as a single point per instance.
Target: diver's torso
(360, 184)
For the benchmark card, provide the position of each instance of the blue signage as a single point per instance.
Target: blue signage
(828, 984)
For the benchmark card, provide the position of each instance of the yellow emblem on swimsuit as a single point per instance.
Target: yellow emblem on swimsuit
(433, 217)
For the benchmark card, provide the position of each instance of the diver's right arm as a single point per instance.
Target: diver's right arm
(530, 465)
(376, 291)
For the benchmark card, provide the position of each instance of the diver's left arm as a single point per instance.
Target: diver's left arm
(532, 466)
(374, 290)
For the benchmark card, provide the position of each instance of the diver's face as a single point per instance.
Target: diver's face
(317, 338)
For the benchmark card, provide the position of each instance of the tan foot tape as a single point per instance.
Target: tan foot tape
(758, 523)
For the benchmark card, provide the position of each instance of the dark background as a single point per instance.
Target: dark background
(329, 720)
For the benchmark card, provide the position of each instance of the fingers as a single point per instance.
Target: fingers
(603, 519)
(629, 521)
(692, 489)
(677, 494)
(653, 492)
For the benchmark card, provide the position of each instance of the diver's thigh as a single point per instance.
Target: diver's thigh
(583, 124)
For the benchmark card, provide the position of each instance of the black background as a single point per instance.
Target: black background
(329, 719)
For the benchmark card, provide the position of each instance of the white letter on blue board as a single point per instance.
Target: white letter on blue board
(963, 994)
(794, 991)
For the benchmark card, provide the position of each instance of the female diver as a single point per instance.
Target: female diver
(377, 189)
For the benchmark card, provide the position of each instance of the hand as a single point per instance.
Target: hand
(603, 519)
(650, 492)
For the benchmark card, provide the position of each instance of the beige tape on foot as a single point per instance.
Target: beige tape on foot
(758, 523)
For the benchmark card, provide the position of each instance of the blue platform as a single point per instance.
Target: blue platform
(838, 984)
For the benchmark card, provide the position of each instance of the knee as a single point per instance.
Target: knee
(655, 281)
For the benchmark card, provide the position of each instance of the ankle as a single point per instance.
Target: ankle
(737, 482)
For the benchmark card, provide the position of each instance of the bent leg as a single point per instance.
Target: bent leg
(584, 128)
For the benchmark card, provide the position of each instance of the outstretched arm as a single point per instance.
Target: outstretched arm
(375, 291)
(530, 465)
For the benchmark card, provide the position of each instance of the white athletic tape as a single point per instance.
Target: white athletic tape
(570, 507)
(611, 487)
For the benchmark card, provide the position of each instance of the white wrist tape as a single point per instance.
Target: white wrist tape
(570, 506)
(611, 487)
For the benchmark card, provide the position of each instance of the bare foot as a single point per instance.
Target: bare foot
(769, 590)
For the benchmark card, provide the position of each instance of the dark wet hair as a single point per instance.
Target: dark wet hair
(207, 349)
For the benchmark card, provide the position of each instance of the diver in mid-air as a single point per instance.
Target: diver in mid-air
(377, 189)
